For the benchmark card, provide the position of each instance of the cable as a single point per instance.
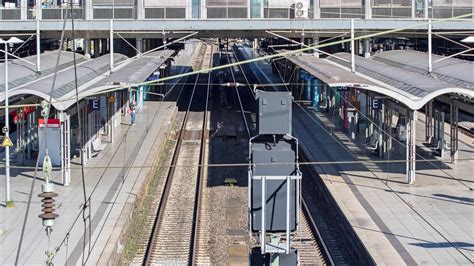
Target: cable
(240, 101)
(87, 202)
(63, 241)
(25, 219)
(245, 164)
(386, 183)
(282, 54)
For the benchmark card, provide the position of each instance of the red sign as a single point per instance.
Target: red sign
(52, 123)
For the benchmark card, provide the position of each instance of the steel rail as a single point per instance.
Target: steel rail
(169, 179)
(199, 184)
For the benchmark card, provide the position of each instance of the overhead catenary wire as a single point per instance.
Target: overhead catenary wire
(64, 240)
(86, 219)
(244, 164)
(388, 163)
(267, 57)
(272, 56)
(30, 195)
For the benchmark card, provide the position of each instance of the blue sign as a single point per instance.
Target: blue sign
(376, 104)
(94, 104)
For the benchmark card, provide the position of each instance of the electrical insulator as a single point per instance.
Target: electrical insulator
(48, 195)
(44, 108)
(48, 214)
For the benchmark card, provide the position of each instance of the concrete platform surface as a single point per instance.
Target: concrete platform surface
(112, 187)
(429, 222)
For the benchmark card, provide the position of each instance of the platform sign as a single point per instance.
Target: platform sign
(94, 104)
(376, 104)
(343, 88)
(6, 142)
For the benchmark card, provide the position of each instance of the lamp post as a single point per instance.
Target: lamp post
(8, 200)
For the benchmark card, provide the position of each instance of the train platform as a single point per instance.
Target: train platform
(113, 190)
(429, 222)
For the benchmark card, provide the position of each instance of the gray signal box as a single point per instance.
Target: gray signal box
(274, 113)
(271, 181)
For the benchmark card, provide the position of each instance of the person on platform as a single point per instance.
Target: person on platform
(133, 112)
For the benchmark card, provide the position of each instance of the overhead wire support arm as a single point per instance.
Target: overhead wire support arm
(129, 44)
(304, 45)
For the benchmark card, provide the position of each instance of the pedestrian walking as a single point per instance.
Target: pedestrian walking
(133, 112)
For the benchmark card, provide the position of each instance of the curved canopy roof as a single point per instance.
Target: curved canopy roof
(65, 81)
(411, 88)
(21, 72)
(451, 70)
(92, 76)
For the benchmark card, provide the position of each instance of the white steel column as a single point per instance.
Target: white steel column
(111, 39)
(288, 213)
(88, 10)
(411, 147)
(24, 9)
(425, 9)
(39, 14)
(38, 46)
(139, 44)
(430, 47)
(441, 133)
(7, 148)
(65, 149)
(140, 10)
(454, 131)
(316, 10)
(263, 232)
(367, 48)
(315, 52)
(368, 9)
(381, 118)
(352, 47)
(429, 121)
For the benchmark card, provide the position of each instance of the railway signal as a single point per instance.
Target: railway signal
(274, 180)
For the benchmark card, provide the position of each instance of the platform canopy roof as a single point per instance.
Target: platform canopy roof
(88, 72)
(21, 72)
(451, 70)
(411, 88)
(138, 70)
(329, 72)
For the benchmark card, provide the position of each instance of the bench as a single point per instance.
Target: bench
(373, 144)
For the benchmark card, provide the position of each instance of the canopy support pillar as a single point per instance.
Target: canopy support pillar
(411, 147)
(111, 40)
(454, 112)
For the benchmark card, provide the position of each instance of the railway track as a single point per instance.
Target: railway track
(311, 246)
(174, 230)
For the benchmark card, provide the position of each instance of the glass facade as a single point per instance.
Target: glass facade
(391, 9)
(224, 9)
(450, 8)
(341, 9)
(238, 9)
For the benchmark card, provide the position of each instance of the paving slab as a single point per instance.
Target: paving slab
(113, 189)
